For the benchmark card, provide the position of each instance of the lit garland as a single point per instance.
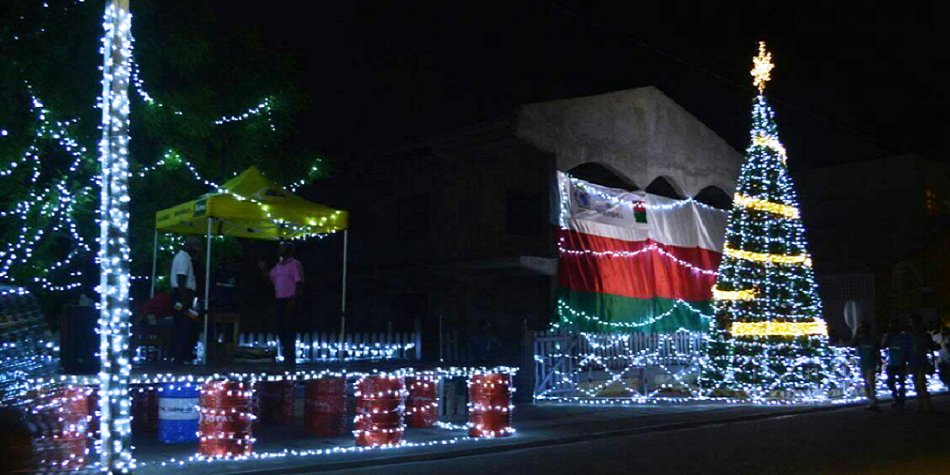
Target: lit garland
(264, 107)
(631, 203)
(762, 205)
(772, 143)
(569, 315)
(652, 248)
(803, 259)
(816, 327)
(748, 294)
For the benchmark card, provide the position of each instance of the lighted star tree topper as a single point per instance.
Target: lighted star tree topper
(767, 339)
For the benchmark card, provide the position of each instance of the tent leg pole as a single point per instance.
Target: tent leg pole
(151, 293)
(204, 355)
(343, 296)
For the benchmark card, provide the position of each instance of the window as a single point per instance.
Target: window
(524, 214)
(412, 215)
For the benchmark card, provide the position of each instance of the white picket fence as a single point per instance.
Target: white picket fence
(325, 347)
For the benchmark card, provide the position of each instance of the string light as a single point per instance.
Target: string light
(772, 143)
(770, 328)
(749, 202)
(625, 200)
(748, 294)
(652, 247)
(803, 259)
(768, 340)
(569, 314)
(115, 449)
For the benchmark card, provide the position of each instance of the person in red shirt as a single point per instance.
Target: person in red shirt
(287, 277)
(159, 306)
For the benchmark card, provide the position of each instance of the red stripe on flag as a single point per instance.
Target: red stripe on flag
(647, 274)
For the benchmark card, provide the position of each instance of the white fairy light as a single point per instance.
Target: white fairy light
(115, 450)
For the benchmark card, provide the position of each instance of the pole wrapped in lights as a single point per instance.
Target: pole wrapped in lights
(767, 339)
(115, 450)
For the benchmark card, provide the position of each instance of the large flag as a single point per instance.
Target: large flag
(635, 262)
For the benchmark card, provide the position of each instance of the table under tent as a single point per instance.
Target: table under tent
(252, 207)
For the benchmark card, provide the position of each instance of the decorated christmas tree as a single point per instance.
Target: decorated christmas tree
(768, 339)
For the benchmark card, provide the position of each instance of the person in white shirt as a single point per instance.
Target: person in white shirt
(184, 288)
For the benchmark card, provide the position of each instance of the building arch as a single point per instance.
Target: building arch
(715, 197)
(663, 186)
(602, 175)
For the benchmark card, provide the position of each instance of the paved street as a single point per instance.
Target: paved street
(537, 425)
(844, 441)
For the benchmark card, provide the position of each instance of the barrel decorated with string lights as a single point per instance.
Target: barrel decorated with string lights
(276, 401)
(379, 410)
(224, 429)
(324, 411)
(422, 400)
(178, 413)
(489, 405)
(59, 421)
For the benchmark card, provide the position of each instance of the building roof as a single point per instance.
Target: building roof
(641, 134)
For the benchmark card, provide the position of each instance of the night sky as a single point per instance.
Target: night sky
(849, 85)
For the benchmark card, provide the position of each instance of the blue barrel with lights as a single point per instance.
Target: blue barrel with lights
(178, 413)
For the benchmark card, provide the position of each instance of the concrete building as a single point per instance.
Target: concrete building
(457, 228)
(880, 236)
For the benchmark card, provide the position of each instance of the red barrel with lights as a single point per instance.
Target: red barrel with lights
(224, 426)
(59, 420)
(422, 400)
(489, 405)
(379, 410)
(276, 400)
(144, 409)
(324, 412)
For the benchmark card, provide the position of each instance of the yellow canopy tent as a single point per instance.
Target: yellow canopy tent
(250, 206)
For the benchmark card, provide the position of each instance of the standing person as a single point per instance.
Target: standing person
(184, 288)
(918, 361)
(895, 340)
(943, 363)
(869, 355)
(287, 277)
(485, 344)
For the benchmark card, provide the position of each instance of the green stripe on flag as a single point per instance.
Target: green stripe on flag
(597, 312)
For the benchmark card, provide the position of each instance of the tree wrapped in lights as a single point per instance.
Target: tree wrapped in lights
(189, 135)
(767, 339)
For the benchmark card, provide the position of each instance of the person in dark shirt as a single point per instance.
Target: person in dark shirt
(895, 341)
(869, 358)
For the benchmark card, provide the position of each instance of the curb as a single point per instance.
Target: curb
(501, 448)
